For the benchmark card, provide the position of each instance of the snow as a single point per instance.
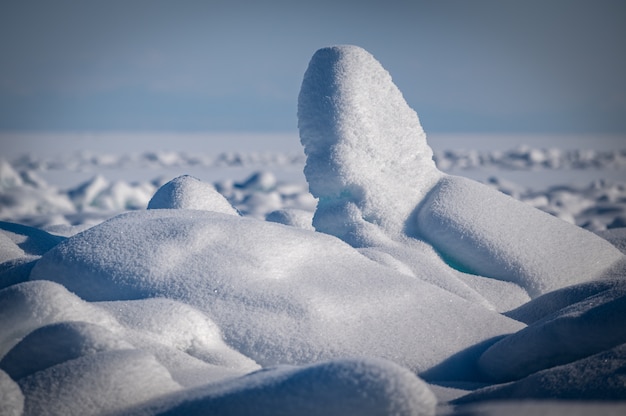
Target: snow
(392, 287)
(342, 387)
(56, 343)
(113, 380)
(366, 151)
(301, 296)
(11, 396)
(598, 377)
(493, 235)
(186, 192)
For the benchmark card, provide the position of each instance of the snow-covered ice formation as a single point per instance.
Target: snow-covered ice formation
(366, 150)
(409, 291)
(370, 166)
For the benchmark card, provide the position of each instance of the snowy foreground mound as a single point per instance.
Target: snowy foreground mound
(409, 292)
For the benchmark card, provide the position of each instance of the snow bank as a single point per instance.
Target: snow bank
(298, 218)
(490, 234)
(279, 294)
(20, 248)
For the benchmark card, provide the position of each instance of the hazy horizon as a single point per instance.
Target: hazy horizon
(466, 67)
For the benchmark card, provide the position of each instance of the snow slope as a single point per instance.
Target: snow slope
(393, 288)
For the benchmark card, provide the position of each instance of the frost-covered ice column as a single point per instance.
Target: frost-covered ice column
(367, 157)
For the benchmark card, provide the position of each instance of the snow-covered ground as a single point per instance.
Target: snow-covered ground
(369, 276)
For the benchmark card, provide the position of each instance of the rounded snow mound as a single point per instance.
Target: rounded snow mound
(187, 192)
(280, 295)
(30, 305)
(339, 387)
(56, 343)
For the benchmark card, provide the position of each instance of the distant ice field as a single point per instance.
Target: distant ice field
(580, 178)
(70, 158)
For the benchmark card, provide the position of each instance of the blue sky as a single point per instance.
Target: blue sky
(465, 66)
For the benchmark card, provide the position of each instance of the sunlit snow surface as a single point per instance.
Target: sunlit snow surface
(196, 274)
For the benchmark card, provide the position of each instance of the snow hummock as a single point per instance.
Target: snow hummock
(187, 192)
(340, 387)
(491, 234)
(406, 291)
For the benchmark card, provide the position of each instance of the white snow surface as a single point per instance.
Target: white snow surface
(391, 288)
(187, 192)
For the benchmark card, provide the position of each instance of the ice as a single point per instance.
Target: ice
(264, 181)
(9, 178)
(98, 193)
(83, 195)
(592, 204)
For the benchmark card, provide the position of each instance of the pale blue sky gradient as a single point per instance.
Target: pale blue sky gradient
(464, 66)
